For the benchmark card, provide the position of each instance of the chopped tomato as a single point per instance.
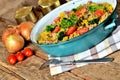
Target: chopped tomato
(98, 13)
(80, 11)
(57, 19)
(28, 52)
(12, 59)
(71, 30)
(56, 29)
(82, 30)
(20, 56)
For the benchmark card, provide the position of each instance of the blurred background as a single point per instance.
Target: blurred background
(41, 7)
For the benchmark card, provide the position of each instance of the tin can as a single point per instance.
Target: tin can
(48, 5)
(25, 14)
(63, 1)
(38, 12)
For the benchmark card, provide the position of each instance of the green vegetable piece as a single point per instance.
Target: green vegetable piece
(94, 20)
(50, 27)
(74, 9)
(73, 20)
(68, 22)
(61, 35)
(65, 23)
(80, 6)
(77, 8)
(93, 7)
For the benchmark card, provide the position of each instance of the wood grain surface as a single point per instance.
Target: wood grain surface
(29, 68)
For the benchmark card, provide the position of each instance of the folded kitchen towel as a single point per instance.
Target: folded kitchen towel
(106, 47)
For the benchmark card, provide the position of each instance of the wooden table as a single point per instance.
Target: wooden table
(29, 68)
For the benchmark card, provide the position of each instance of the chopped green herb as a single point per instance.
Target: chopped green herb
(50, 27)
(68, 22)
(73, 19)
(80, 6)
(65, 23)
(94, 20)
(93, 7)
(77, 8)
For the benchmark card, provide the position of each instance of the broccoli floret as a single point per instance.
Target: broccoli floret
(61, 35)
(68, 22)
(50, 27)
(93, 7)
(73, 19)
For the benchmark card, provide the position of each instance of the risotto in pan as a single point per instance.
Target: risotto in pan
(70, 24)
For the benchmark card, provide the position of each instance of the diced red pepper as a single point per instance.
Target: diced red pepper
(98, 13)
(82, 30)
(57, 19)
(80, 11)
(56, 29)
(71, 30)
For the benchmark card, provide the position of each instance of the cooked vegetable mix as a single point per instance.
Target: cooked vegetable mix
(70, 24)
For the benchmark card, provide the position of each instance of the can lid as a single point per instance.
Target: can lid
(46, 3)
(22, 12)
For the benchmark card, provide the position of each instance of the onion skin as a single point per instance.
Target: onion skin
(25, 29)
(8, 31)
(14, 43)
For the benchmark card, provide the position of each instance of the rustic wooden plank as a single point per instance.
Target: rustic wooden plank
(42, 55)
(79, 74)
(8, 76)
(3, 25)
(8, 72)
(116, 56)
(99, 72)
(29, 70)
(109, 71)
(67, 76)
(5, 22)
(38, 52)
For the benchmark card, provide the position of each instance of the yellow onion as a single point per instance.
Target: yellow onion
(25, 29)
(14, 43)
(8, 31)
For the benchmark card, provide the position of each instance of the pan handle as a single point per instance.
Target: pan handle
(111, 25)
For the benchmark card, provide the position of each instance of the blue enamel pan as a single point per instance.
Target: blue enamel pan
(77, 44)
